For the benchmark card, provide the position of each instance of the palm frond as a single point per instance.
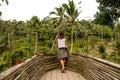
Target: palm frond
(7, 2)
(71, 7)
(52, 12)
(0, 13)
(66, 8)
(77, 13)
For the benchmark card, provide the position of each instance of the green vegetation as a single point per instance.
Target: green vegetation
(19, 40)
(109, 12)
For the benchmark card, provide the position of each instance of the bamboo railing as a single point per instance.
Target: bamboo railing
(91, 68)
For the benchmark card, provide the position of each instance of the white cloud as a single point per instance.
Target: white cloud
(25, 9)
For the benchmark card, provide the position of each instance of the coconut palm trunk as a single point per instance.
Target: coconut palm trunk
(61, 24)
(59, 12)
(71, 49)
(9, 43)
(27, 45)
(101, 36)
(54, 43)
(71, 14)
(36, 43)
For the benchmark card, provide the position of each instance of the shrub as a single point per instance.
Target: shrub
(118, 47)
(102, 50)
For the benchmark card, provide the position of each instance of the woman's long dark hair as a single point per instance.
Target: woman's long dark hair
(61, 35)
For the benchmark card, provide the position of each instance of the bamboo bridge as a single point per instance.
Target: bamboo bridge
(78, 67)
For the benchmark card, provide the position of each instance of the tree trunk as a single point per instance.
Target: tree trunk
(27, 45)
(9, 44)
(61, 24)
(101, 36)
(54, 42)
(71, 49)
(36, 42)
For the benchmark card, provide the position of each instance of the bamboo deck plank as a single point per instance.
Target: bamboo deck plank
(43, 77)
(64, 76)
(53, 75)
(70, 75)
(77, 76)
(48, 76)
(57, 75)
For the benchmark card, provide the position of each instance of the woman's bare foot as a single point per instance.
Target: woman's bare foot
(63, 70)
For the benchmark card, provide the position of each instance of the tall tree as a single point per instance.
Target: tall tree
(59, 12)
(35, 25)
(109, 11)
(71, 14)
(103, 17)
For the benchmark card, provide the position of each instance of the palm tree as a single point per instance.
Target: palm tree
(117, 39)
(35, 24)
(71, 14)
(9, 31)
(27, 32)
(60, 15)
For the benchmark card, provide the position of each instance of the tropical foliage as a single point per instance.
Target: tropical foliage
(19, 40)
(109, 12)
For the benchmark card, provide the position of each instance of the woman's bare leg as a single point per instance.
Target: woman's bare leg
(62, 64)
(64, 61)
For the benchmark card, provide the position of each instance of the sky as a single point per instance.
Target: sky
(25, 9)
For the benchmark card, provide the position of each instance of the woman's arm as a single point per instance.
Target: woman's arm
(57, 43)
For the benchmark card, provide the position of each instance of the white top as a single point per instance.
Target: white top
(61, 43)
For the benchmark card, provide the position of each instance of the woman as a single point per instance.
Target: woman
(62, 47)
